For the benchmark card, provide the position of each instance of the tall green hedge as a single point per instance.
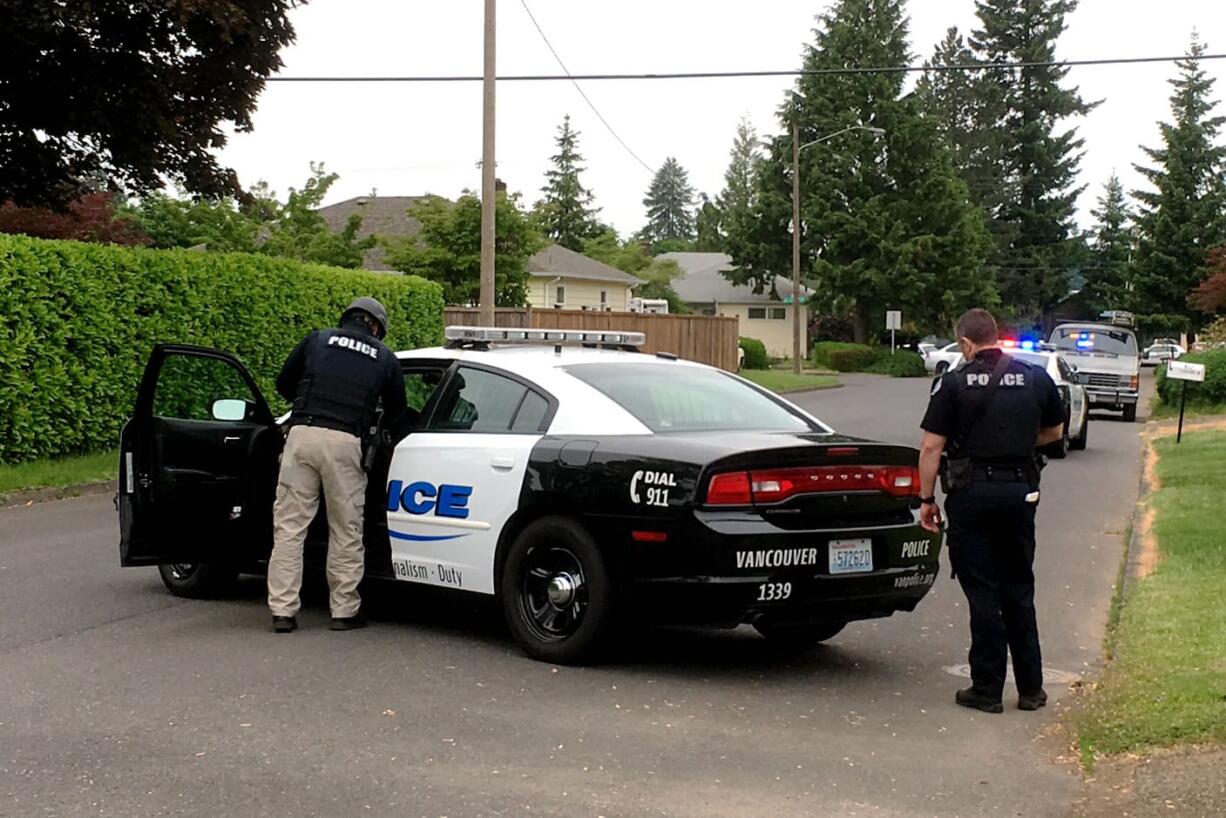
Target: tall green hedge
(77, 322)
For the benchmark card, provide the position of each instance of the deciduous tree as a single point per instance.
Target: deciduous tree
(93, 217)
(448, 249)
(131, 93)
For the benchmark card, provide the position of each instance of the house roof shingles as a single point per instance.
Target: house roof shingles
(702, 281)
(556, 260)
(383, 216)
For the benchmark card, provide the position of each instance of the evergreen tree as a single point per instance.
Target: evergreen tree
(1107, 274)
(739, 199)
(565, 214)
(1185, 212)
(669, 203)
(708, 227)
(885, 222)
(968, 107)
(1038, 164)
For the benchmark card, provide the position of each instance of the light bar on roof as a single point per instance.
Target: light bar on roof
(500, 335)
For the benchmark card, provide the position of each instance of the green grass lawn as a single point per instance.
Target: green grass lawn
(1166, 684)
(787, 381)
(1162, 411)
(59, 472)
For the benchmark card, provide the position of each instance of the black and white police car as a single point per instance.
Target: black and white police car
(582, 485)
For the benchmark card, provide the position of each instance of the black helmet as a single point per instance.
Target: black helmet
(371, 307)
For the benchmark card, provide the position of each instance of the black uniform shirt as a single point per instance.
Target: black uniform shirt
(1026, 401)
(335, 378)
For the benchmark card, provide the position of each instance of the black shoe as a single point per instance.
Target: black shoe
(348, 623)
(284, 624)
(1032, 701)
(970, 697)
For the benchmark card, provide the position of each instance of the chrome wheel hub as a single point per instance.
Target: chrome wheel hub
(561, 589)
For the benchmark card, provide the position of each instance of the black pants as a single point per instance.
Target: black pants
(991, 548)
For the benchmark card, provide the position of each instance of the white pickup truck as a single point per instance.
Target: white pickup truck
(1108, 363)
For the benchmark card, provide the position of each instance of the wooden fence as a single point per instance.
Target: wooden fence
(709, 339)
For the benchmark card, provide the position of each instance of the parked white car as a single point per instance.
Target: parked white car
(1160, 353)
(939, 361)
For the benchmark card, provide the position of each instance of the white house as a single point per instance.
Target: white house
(559, 278)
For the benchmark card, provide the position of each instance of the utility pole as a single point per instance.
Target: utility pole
(795, 242)
(488, 194)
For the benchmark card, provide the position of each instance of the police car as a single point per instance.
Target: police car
(1072, 393)
(581, 482)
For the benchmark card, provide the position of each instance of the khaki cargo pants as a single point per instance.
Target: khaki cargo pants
(315, 459)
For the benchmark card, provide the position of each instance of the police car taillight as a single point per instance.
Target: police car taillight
(767, 486)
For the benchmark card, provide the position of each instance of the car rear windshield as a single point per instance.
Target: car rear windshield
(688, 399)
(1095, 339)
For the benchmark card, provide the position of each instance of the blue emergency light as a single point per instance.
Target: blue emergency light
(1085, 340)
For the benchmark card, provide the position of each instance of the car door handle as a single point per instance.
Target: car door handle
(231, 438)
(503, 463)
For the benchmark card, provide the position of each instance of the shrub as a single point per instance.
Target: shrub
(755, 354)
(824, 350)
(857, 359)
(1213, 390)
(79, 321)
(902, 364)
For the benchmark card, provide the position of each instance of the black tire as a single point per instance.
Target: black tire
(1130, 413)
(1079, 443)
(1059, 449)
(941, 368)
(797, 635)
(556, 593)
(200, 580)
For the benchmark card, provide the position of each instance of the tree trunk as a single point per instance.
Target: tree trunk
(859, 325)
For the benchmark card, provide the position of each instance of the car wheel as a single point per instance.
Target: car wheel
(941, 368)
(1130, 413)
(1059, 449)
(555, 591)
(796, 635)
(198, 580)
(1079, 443)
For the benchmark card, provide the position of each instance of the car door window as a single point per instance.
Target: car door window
(531, 414)
(189, 387)
(478, 401)
(1065, 372)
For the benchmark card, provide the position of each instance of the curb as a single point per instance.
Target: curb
(1133, 556)
(46, 495)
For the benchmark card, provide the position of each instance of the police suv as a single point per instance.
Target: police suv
(579, 481)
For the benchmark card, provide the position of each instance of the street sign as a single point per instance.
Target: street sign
(1181, 371)
(893, 319)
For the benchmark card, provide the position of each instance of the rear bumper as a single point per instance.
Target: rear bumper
(698, 579)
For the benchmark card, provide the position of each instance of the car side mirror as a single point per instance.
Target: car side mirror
(229, 409)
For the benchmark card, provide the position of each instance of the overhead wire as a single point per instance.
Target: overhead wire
(579, 88)
(793, 72)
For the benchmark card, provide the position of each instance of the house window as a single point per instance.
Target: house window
(559, 299)
(757, 312)
(604, 300)
(779, 313)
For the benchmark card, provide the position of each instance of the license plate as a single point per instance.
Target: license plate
(851, 556)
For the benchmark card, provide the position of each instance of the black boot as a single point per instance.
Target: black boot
(284, 624)
(348, 623)
(970, 697)
(1032, 701)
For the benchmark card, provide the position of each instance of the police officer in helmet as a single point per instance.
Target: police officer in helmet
(988, 417)
(335, 379)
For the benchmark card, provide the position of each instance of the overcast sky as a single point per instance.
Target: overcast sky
(409, 139)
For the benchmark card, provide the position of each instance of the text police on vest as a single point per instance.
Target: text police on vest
(353, 345)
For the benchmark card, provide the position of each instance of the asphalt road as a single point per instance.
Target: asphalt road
(118, 699)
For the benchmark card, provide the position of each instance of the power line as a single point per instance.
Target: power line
(794, 72)
(589, 102)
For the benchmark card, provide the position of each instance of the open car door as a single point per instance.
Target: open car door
(198, 463)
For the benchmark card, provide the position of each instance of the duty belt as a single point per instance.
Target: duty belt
(1003, 474)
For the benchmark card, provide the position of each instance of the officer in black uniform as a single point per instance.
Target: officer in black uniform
(988, 417)
(335, 379)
